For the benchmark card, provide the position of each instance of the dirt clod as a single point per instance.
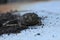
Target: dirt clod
(14, 24)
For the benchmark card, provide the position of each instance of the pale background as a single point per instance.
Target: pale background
(16, 4)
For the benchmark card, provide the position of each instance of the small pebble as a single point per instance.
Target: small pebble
(38, 33)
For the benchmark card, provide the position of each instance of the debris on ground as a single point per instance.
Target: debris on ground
(10, 23)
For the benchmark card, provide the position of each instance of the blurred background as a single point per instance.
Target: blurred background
(7, 5)
(11, 1)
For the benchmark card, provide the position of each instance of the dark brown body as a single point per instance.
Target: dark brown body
(14, 24)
